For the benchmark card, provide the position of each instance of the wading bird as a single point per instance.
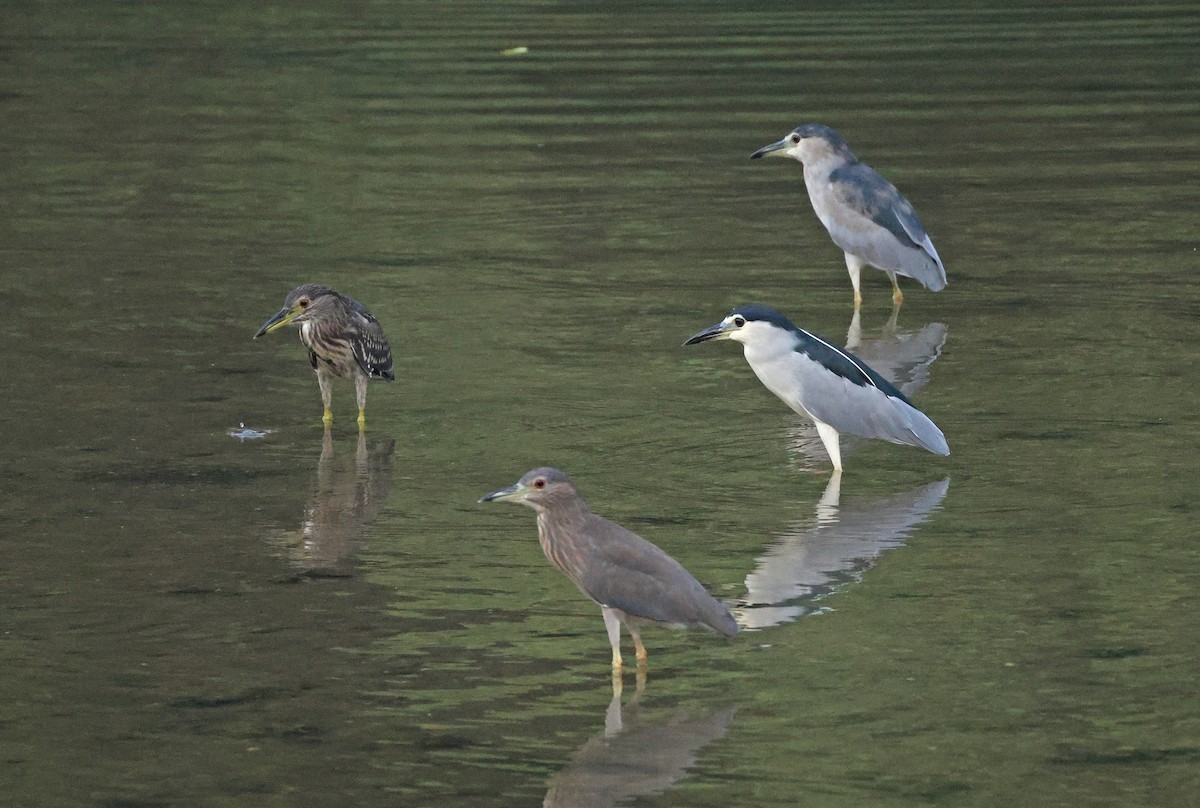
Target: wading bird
(864, 213)
(816, 379)
(633, 580)
(343, 340)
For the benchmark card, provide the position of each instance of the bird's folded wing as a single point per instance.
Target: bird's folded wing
(863, 189)
(631, 574)
(371, 348)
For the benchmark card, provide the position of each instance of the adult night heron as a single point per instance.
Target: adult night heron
(342, 337)
(633, 580)
(819, 380)
(864, 213)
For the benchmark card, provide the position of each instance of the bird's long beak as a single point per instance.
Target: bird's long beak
(501, 494)
(281, 318)
(718, 331)
(774, 148)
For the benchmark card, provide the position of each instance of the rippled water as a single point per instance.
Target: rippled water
(196, 619)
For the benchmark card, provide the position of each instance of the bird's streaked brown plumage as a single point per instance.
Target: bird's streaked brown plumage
(344, 340)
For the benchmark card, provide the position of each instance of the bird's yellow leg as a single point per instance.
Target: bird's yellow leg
(854, 266)
(612, 624)
(360, 392)
(325, 381)
(897, 295)
(639, 649)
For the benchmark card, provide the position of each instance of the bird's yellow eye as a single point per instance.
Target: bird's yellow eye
(739, 321)
(539, 483)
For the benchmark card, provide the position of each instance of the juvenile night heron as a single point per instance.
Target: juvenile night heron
(864, 213)
(633, 580)
(816, 379)
(342, 337)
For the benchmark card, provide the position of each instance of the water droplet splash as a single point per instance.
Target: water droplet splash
(245, 433)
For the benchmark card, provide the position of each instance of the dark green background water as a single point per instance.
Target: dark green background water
(193, 620)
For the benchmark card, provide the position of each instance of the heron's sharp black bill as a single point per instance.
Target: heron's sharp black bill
(778, 145)
(712, 332)
(501, 494)
(273, 323)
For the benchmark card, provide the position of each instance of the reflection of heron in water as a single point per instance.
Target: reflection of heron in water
(350, 492)
(638, 754)
(812, 558)
(903, 357)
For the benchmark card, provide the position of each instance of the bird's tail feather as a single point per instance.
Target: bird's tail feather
(720, 620)
(926, 434)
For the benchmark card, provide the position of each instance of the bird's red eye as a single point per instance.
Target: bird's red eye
(539, 483)
(795, 138)
(304, 302)
(739, 321)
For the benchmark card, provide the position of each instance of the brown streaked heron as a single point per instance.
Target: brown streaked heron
(633, 580)
(864, 213)
(343, 340)
(834, 388)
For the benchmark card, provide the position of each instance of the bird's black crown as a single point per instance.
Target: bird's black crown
(753, 312)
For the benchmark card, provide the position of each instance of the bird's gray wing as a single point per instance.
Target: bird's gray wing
(864, 190)
(843, 363)
(371, 348)
(839, 389)
(627, 572)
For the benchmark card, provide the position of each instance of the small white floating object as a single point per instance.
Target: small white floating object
(245, 433)
(520, 50)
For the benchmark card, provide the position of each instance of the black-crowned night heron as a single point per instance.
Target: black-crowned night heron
(342, 337)
(864, 213)
(832, 387)
(633, 581)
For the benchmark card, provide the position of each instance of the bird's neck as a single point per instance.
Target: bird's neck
(770, 347)
(560, 530)
(818, 168)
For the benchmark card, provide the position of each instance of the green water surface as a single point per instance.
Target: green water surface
(189, 619)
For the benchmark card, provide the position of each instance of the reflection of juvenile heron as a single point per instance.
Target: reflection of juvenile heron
(350, 492)
(902, 356)
(636, 755)
(811, 559)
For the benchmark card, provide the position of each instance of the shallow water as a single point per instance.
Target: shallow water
(194, 619)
